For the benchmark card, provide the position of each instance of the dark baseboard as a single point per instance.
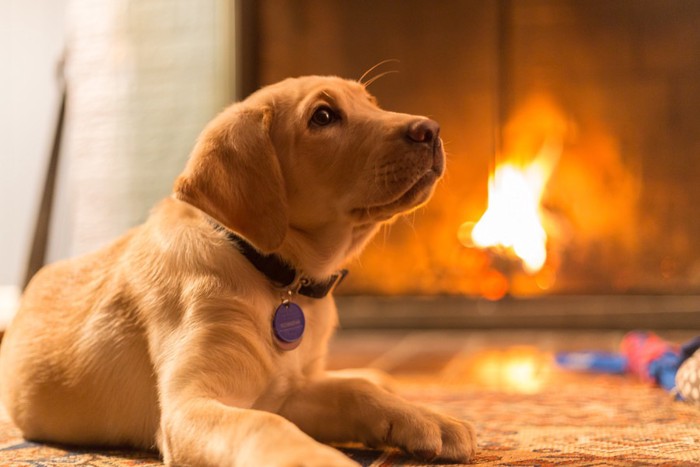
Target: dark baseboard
(622, 312)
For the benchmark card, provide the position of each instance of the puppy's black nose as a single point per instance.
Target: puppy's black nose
(423, 131)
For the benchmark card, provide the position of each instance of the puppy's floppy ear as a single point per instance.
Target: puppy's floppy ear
(234, 176)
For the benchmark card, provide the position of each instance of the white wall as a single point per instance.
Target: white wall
(144, 77)
(31, 43)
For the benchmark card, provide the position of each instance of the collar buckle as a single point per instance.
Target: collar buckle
(321, 289)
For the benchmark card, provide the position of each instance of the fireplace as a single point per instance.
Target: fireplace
(572, 195)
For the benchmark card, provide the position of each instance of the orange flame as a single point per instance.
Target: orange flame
(513, 219)
(513, 224)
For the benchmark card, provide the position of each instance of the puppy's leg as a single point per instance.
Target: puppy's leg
(344, 409)
(206, 432)
(379, 377)
(210, 376)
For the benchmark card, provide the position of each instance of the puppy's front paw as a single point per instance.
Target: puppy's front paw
(429, 435)
(458, 440)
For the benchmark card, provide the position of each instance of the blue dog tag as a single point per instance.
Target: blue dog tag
(288, 325)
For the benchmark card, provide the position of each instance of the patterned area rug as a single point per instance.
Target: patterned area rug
(548, 417)
(605, 421)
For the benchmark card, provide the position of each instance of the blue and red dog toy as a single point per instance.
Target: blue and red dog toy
(646, 355)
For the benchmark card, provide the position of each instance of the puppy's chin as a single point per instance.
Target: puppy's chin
(412, 198)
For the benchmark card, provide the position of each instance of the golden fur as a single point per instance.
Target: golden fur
(163, 339)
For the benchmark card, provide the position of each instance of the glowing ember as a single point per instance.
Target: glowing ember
(513, 220)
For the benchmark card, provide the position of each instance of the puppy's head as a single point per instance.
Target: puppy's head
(310, 154)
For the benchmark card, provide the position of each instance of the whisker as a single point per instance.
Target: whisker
(410, 221)
(387, 233)
(372, 80)
(383, 62)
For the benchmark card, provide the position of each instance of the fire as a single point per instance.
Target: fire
(513, 220)
(576, 215)
(515, 230)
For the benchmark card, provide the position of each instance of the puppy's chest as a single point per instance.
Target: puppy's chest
(293, 367)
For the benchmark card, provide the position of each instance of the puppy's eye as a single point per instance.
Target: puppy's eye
(323, 116)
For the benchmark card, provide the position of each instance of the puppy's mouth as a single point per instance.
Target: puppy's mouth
(415, 195)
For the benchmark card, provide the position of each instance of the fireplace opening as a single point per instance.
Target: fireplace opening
(573, 180)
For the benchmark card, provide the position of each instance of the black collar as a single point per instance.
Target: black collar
(280, 273)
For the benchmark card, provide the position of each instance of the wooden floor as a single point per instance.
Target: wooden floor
(492, 359)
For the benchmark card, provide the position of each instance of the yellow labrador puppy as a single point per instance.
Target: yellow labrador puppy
(203, 332)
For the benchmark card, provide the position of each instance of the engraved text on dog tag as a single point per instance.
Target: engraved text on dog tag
(288, 325)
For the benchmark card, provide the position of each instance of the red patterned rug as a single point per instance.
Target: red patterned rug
(526, 411)
(587, 420)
